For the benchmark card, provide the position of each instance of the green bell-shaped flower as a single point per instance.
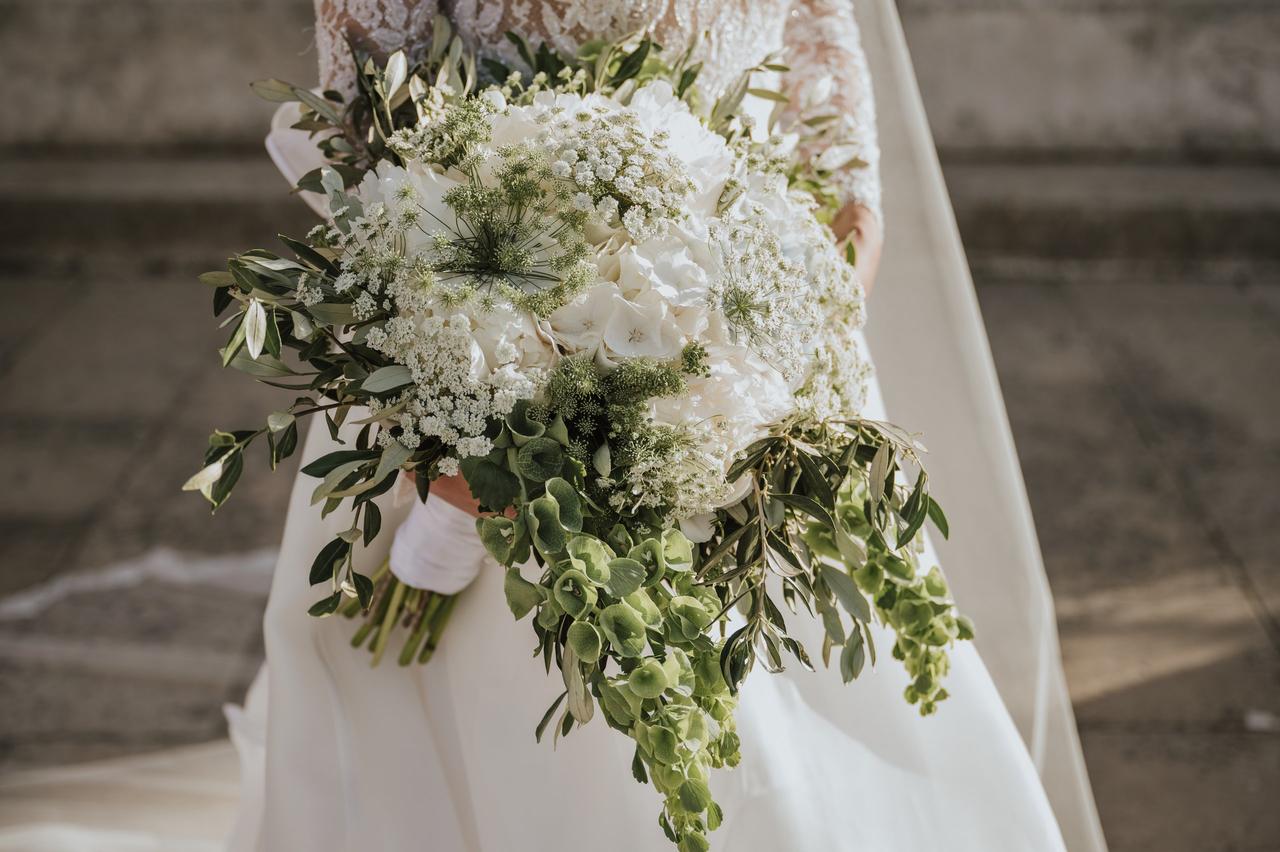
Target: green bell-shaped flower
(710, 679)
(648, 680)
(687, 617)
(575, 593)
(645, 608)
(591, 556)
(624, 629)
(585, 641)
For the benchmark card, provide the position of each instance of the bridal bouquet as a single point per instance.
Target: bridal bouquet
(618, 313)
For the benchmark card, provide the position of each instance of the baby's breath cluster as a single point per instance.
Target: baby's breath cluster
(621, 172)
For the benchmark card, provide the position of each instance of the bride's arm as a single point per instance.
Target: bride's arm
(378, 26)
(823, 44)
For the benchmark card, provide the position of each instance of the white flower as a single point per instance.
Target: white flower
(641, 330)
(579, 325)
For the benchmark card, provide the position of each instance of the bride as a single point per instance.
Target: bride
(338, 755)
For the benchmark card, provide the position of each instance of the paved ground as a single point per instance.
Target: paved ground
(1144, 407)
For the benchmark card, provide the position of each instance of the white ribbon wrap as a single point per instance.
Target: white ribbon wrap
(436, 548)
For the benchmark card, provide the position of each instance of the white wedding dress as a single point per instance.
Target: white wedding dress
(336, 755)
(444, 757)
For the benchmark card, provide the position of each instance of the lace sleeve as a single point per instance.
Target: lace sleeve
(829, 71)
(379, 26)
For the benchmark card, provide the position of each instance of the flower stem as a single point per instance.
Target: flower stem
(421, 629)
(439, 621)
(388, 621)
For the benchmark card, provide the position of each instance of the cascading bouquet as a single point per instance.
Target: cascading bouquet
(617, 312)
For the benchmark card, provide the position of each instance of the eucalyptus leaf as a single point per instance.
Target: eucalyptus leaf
(387, 378)
(273, 90)
(854, 602)
(879, 472)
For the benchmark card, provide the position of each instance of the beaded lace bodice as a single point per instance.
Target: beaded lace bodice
(820, 39)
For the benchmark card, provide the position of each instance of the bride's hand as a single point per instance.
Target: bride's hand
(454, 491)
(861, 225)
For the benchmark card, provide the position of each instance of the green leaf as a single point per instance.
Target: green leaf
(493, 486)
(769, 95)
(879, 471)
(623, 628)
(546, 717)
(323, 567)
(220, 278)
(364, 590)
(387, 378)
(235, 344)
(372, 522)
(263, 367)
(522, 596)
(396, 73)
(807, 505)
(221, 300)
(233, 465)
(521, 48)
(938, 518)
(332, 313)
(851, 549)
(602, 459)
(632, 64)
(283, 444)
(326, 606)
(203, 480)
(847, 591)
(321, 466)
(637, 768)
(274, 90)
(336, 479)
(816, 480)
(581, 707)
(852, 658)
(278, 420)
(545, 527)
(687, 78)
(777, 546)
(321, 106)
(394, 455)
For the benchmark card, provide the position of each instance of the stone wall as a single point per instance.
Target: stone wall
(1163, 79)
(1196, 79)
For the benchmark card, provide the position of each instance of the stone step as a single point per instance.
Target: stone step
(156, 215)
(1169, 77)
(1175, 78)
(1110, 221)
(189, 213)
